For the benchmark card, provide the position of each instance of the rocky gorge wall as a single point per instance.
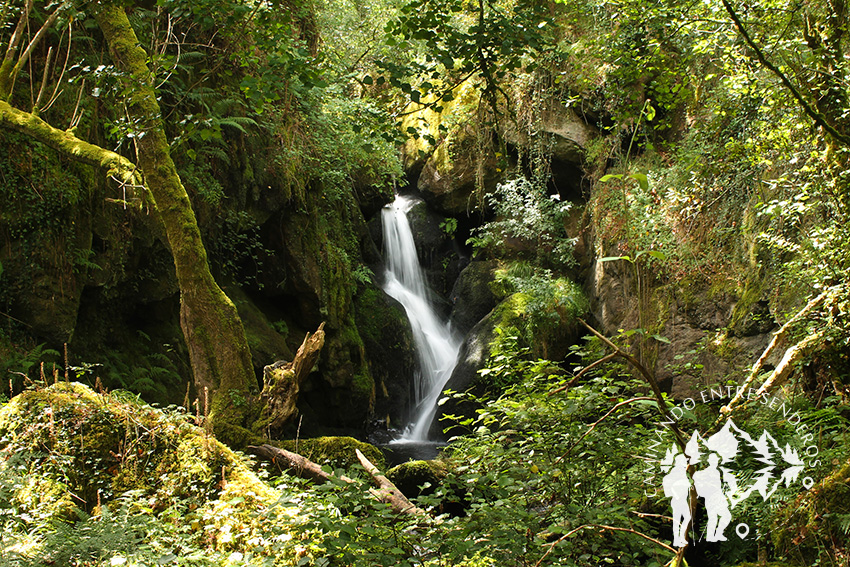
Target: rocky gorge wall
(711, 328)
(80, 269)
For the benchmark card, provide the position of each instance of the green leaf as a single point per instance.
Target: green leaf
(661, 339)
(612, 258)
(641, 179)
(609, 177)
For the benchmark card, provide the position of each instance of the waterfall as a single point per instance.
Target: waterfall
(435, 345)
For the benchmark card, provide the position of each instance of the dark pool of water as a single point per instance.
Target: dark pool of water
(399, 452)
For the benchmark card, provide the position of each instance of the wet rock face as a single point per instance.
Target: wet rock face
(439, 255)
(388, 342)
(471, 296)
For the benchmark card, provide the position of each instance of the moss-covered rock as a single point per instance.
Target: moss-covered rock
(97, 447)
(341, 395)
(68, 454)
(388, 342)
(411, 476)
(337, 452)
(448, 179)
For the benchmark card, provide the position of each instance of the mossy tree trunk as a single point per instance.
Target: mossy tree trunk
(218, 348)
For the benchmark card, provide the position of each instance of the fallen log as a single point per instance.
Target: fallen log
(305, 468)
(387, 491)
(300, 466)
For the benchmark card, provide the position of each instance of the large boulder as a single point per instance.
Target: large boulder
(448, 179)
(472, 297)
(691, 316)
(388, 340)
(430, 238)
(565, 133)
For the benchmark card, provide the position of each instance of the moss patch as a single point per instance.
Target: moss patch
(812, 524)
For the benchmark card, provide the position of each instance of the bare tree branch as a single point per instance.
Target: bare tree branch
(653, 384)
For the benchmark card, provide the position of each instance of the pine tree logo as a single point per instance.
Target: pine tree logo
(728, 467)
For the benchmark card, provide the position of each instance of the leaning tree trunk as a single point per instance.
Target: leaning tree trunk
(218, 349)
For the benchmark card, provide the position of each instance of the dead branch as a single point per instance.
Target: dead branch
(792, 356)
(283, 380)
(18, 34)
(45, 74)
(305, 468)
(35, 41)
(56, 89)
(387, 491)
(777, 337)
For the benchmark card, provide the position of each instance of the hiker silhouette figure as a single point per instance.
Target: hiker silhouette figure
(677, 486)
(709, 486)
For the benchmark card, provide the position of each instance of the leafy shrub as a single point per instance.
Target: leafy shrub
(529, 224)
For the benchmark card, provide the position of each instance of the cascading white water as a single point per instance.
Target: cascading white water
(436, 346)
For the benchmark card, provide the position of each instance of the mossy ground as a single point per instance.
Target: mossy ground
(71, 459)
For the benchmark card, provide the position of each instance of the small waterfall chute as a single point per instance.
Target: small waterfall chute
(436, 346)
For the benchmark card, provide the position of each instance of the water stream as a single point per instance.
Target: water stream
(436, 346)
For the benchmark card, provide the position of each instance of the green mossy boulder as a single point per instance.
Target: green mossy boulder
(77, 463)
(74, 445)
(338, 452)
(413, 476)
